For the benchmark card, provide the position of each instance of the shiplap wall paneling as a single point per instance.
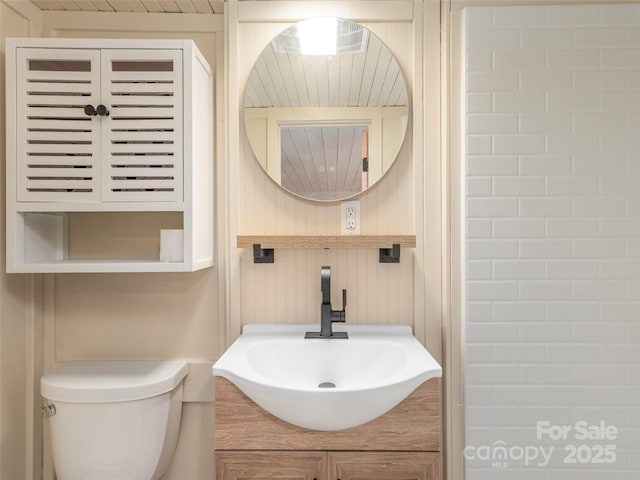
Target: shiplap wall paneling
(284, 292)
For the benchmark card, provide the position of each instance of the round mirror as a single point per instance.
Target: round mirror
(326, 109)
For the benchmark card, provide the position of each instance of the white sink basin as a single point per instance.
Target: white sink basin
(327, 384)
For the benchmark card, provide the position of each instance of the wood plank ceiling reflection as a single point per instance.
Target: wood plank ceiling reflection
(150, 6)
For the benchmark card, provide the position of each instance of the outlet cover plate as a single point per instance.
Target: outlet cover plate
(350, 222)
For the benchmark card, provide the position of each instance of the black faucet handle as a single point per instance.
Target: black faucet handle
(340, 315)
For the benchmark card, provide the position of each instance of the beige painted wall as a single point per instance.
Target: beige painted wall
(196, 315)
(289, 290)
(138, 316)
(147, 316)
(20, 322)
(408, 200)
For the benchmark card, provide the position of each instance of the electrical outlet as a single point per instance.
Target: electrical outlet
(350, 218)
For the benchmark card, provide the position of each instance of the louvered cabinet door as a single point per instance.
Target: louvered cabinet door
(57, 144)
(142, 134)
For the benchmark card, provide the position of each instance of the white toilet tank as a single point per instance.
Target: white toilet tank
(114, 420)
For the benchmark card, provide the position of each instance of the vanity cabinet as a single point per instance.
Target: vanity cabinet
(112, 128)
(327, 466)
(252, 444)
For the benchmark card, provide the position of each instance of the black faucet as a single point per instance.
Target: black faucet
(327, 314)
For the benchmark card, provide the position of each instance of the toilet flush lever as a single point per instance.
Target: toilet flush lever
(49, 410)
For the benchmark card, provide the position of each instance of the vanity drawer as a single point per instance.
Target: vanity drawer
(269, 465)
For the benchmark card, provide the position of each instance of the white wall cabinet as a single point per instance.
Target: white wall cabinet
(115, 129)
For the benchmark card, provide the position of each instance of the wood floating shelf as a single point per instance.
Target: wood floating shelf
(264, 245)
(326, 241)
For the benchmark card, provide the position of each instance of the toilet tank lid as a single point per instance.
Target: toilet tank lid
(111, 381)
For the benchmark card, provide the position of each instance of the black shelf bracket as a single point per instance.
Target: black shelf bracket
(390, 255)
(263, 255)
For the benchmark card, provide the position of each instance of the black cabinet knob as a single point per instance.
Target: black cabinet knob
(92, 111)
(102, 111)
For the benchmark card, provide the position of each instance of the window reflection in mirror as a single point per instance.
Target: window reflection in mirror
(324, 162)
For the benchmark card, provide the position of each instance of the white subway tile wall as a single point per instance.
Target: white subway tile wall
(552, 242)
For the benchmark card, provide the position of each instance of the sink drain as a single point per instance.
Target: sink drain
(327, 385)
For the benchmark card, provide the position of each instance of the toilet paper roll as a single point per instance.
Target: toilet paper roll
(172, 245)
